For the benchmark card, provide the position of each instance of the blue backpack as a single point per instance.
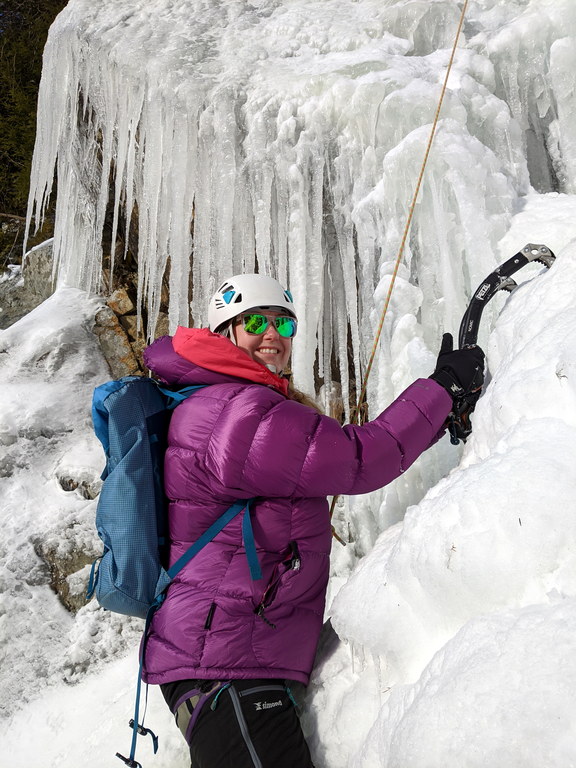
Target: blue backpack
(131, 418)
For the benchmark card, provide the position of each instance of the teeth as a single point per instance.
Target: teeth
(268, 351)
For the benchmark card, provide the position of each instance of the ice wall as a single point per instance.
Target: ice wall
(290, 135)
(457, 617)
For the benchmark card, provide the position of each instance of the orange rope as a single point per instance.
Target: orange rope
(405, 234)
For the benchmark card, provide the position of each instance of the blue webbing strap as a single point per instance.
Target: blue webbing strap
(92, 581)
(206, 538)
(175, 397)
(250, 546)
(137, 728)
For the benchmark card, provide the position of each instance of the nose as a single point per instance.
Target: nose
(271, 331)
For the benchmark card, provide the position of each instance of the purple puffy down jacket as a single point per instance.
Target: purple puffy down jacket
(238, 439)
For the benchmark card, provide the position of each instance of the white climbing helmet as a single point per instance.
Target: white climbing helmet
(243, 292)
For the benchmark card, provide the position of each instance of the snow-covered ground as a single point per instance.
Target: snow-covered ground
(454, 603)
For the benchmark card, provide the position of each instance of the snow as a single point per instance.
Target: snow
(297, 130)
(453, 709)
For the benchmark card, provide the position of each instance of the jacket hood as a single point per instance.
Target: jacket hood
(198, 356)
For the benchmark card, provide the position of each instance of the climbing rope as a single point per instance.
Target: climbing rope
(360, 406)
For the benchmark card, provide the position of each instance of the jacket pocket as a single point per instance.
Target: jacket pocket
(287, 568)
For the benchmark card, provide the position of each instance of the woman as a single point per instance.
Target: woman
(224, 645)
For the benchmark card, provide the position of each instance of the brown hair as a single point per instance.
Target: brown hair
(302, 397)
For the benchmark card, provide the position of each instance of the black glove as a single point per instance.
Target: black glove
(460, 371)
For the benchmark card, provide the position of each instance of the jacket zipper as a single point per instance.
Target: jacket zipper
(291, 563)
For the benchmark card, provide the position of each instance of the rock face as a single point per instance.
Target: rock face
(24, 287)
(39, 282)
(115, 344)
(121, 335)
(69, 569)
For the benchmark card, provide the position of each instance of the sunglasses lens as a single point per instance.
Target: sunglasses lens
(256, 324)
(286, 327)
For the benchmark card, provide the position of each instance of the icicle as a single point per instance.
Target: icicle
(237, 153)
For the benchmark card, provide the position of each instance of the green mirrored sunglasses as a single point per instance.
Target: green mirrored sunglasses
(255, 323)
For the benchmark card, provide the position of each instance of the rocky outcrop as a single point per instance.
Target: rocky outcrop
(68, 568)
(70, 548)
(117, 326)
(39, 281)
(24, 286)
(115, 344)
(119, 330)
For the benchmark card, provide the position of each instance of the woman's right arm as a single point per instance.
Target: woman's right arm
(263, 446)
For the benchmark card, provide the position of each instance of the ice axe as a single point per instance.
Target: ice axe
(500, 279)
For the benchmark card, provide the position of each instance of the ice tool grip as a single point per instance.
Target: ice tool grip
(500, 279)
(459, 424)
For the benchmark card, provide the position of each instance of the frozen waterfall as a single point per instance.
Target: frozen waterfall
(287, 137)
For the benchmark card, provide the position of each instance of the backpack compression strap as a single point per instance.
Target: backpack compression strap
(176, 396)
(215, 529)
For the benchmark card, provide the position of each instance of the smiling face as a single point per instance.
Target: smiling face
(268, 348)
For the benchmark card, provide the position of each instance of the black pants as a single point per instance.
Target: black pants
(240, 724)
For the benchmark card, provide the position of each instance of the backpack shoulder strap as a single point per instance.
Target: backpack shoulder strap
(250, 545)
